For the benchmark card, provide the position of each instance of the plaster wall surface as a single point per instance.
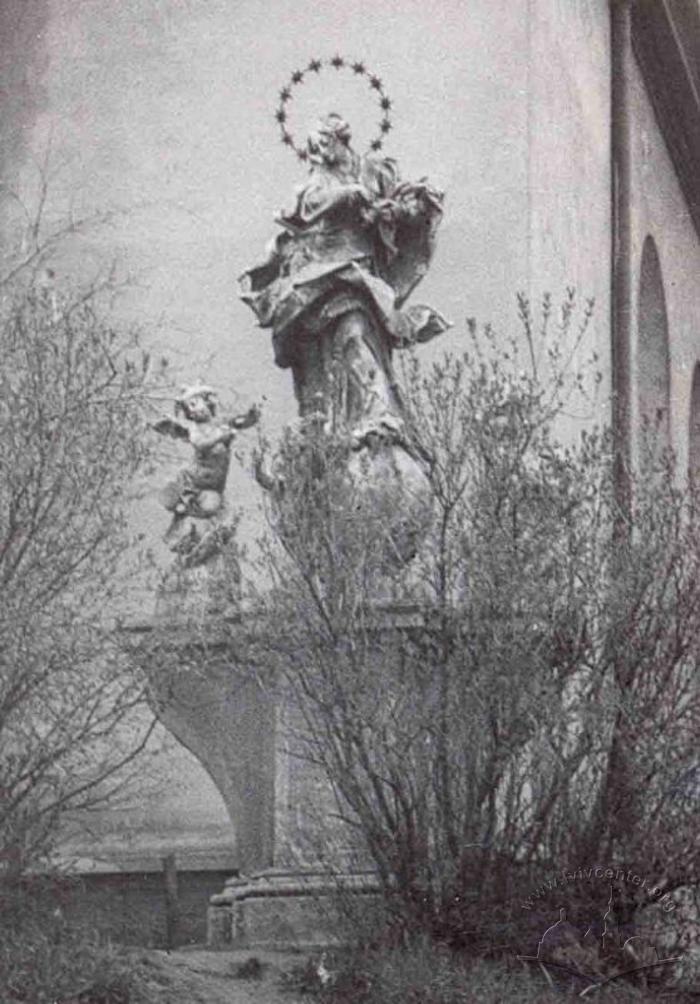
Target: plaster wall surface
(659, 210)
(569, 175)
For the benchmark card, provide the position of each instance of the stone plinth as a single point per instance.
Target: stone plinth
(289, 842)
(246, 734)
(279, 909)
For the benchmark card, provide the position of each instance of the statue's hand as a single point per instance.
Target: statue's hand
(264, 476)
(418, 198)
(250, 418)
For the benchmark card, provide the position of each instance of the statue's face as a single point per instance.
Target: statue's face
(325, 143)
(198, 408)
(323, 147)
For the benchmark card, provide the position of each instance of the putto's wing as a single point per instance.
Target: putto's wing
(171, 427)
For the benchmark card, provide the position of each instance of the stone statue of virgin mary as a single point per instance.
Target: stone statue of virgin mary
(333, 290)
(350, 252)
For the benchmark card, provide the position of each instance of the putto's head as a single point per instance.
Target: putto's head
(198, 403)
(329, 142)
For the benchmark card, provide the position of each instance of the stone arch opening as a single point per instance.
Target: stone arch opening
(653, 367)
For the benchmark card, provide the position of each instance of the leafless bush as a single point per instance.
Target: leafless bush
(521, 697)
(73, 394)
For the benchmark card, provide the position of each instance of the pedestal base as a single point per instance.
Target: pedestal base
(279, 909)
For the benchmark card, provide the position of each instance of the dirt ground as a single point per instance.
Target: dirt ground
(199, 976)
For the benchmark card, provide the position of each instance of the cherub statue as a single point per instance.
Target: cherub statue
(197, 492)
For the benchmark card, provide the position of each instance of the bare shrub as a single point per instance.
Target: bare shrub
(521, 697)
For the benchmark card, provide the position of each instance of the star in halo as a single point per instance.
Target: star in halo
(337, 62)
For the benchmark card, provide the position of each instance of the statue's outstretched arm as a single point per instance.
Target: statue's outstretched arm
(247, 420)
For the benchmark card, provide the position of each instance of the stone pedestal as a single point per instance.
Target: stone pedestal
(289, 908)
(283, 812)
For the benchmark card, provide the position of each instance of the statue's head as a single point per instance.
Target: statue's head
(197, 403)
(329, 142)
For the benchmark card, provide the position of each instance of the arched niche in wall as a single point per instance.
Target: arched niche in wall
(694, 429)
(653, 367)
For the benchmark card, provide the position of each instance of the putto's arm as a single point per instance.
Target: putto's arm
(171, 427)
(245, 421)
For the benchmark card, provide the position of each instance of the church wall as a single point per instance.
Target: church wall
(659, 210)
(569, 179)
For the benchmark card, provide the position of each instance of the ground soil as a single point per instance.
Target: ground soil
(201, 976)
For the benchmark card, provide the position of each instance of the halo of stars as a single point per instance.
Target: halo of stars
(338, 63)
